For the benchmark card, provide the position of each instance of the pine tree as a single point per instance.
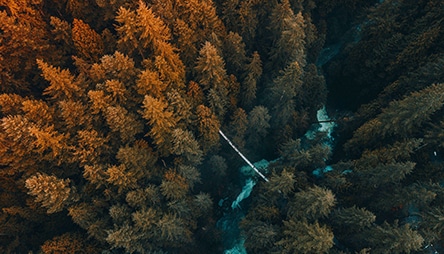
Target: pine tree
(160, 119)
(208, 127)
(139, 159)
(261, 238)
(289, 36)
(15, 142)
(67, 243)
(10, 104)
(38, 112)
(353, 219)
(302, 237)
(186, 42)
(174, 186)
(95, 174)
(313, 203)
(24, 38)
(195, 93)
(394, 239)
(123, 122)
(258, 125)
(238, 127)
(185, 144)
(142, 29)
(117, 66)
(121, 177)
(62, 83)
(282, 93)
(234, 53)
(88, 43)
(212, 75)
(253, 72)
(173, 230)
(283, 183)
(149, 83)
(53, 193)
(49, 143)
(401, 118)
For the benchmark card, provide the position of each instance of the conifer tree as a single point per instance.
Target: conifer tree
(303, 237)
(253, 72)
(185, 144)
(10, 104)
(261, 238)
(142, 29)
(208, 126)
(161, 121)
(62, 83)
(313, 203)
(120, 120)
(234, 53)
(186, 41)
(288, 36)
(213, 77)
(88, 43)
(24, 38)
(149, 83)
(38, 112)
(174, 186)
(74, 114)
(282, 93)
(54, 194)
(394, 239)
(238, 127)
(401, 118)
(353, 219)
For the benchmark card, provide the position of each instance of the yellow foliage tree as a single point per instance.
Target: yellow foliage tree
(88, 43)
(161, 120)
(62, 83)
(54, 193)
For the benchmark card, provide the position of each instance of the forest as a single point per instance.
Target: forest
(110, 112)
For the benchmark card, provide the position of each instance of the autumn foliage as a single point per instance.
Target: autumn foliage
(110, 114)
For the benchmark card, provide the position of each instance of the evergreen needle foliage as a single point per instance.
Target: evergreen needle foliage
(110, 113)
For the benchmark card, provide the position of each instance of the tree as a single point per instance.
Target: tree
(122, 177)
(142, 29)
(88, 43)
(282, 93)
(302, 237)
(353, 219)
(258, 125)
(283, 183)
(401, 118)
(234, 53)
(149, 83)
(313, 203)
(74, 114)
(54, 194)
(253, 72)
(185, 145)
(212, 75)
(49, 143)
(238, 127)
(261, 238)
(24, 38)
(208, 127)
(394, 238)
(160, 119)
(174, 186)
(288, 33)
(67, 243)
(62, 83)
(120, 120)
